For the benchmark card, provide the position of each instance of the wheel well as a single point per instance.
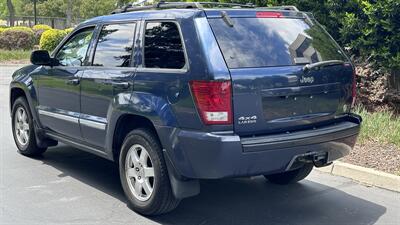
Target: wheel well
(15, 93)
(126, 124)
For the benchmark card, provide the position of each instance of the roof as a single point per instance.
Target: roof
(175, 11)
(154, 14)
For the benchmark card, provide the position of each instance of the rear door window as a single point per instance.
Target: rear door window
(163, 46)
(114, 45)
(264, 42)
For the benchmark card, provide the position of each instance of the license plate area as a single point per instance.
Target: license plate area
(300, 101)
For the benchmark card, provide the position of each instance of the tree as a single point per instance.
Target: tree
(69, 12)
(92, 8)
(11, 12)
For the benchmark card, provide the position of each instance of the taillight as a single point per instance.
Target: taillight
(354, 89)
(213, 100)
(268, 14)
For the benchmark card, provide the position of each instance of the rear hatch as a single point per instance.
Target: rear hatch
(287, 72)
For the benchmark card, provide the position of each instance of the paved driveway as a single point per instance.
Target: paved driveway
(67, 186)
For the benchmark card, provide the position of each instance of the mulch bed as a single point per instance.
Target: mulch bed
(383, 157)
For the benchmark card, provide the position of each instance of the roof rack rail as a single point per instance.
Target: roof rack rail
(131, 7)
(284, 7)
(177, 5)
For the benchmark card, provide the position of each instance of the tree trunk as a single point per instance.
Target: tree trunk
(394, 80)
(69, 13)
(11, 12)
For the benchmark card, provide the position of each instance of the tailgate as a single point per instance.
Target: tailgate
(266, 53)
(267, 100)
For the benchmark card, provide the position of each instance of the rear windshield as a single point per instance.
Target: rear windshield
(263, 42)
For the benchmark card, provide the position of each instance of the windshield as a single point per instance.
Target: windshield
(263, 42)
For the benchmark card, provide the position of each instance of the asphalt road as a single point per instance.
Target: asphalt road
(67, 186)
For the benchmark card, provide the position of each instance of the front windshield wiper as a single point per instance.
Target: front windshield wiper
(322, 64)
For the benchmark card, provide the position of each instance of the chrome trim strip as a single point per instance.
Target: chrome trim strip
(93, 124)
(100, 124)
(59, 116)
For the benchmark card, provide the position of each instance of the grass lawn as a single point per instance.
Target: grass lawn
(14, 56)
(382, 127)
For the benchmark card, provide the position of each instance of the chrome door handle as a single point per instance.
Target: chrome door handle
(74, 81)
(123, 85)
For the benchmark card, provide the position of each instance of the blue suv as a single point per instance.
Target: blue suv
(179, 92)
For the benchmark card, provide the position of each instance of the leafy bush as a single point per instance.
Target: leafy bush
(51, 38)
(69, 30)
(41, 27)
(380, 34)
(368, 28)
(38, 30)
(16, 39)
(20, 28)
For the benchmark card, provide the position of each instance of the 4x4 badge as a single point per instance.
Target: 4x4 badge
(247, 119)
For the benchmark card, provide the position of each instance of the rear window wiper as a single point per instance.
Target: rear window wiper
(322, 64)
(226, 18)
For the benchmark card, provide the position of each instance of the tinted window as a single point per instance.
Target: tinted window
(74, 51)
(261, 42)
(163, 46)
(114, 47)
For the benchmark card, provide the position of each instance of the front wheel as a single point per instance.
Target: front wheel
(144, 175)
(23, 130)
(290, 177)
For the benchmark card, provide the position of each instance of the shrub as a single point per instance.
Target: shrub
(41, 27)
(16, 39)
(38, 30)
(69, 30)
(380, 37)
(51, 38)
(20, 28)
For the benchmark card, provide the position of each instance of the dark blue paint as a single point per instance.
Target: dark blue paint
(164, 98)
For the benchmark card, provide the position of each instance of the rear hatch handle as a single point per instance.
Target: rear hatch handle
(322, 64)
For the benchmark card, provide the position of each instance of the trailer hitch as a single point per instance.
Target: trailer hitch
(319, 159)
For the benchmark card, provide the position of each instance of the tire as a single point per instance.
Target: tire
(290, 177)
(23, 129)
(146, 194)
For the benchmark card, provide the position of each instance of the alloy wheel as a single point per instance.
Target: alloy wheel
(139, 172)
(21, 126)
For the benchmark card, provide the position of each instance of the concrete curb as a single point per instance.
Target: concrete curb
(364, 175)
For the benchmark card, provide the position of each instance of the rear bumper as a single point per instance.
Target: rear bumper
(202, 155)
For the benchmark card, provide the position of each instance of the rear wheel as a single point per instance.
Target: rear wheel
(290, 177)
(144, 175)
(23, 130)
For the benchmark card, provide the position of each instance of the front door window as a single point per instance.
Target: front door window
(73, 53)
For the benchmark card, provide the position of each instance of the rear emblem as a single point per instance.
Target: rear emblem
(306, 80)
(247, 119)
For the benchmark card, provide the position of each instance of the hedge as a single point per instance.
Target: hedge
(20, 28)
(51, 38)
(369, 29)
(38, 30)
(17, 39)
(41, 27)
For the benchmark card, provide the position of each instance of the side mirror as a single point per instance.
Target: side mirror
(42, 58)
